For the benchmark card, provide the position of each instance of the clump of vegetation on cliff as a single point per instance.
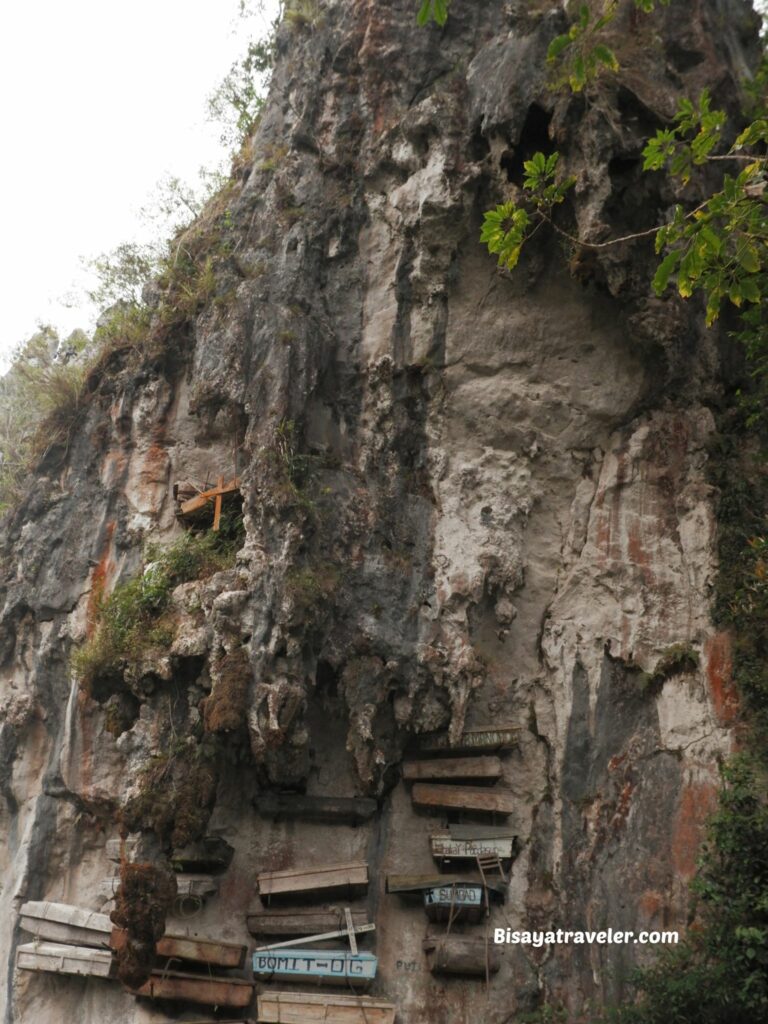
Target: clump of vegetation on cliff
(225, 709)
(175, 793)
(135, 617)
(41, 398)
(143, 899)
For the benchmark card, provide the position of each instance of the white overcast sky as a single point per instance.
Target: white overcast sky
(99, 102)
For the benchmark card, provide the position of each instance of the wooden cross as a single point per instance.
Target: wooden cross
(351, 931)
(215, 494)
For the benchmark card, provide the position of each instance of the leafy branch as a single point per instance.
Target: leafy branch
(509, 226)
(580, 53)
(720, 247)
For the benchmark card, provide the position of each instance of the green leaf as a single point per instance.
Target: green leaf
(750, 289)
(606, 56)
(665, 270)
(556, 47)
(749, 259)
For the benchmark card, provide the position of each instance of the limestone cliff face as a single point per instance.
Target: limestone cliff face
(469, 497)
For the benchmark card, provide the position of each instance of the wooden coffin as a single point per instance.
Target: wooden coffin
(210, 854)
(458, 954)
(60, 959)
(182, 947)
(322, 966)
(464, 902)
(192, 886)
(415, 885)
(469, 844)
(463, 798)
(455, 903)
(197, 988)
(343, 877)
(348, 810)
(301, 921)
(59, 922)
(297, 1008)
(453, 769)
(479, 739)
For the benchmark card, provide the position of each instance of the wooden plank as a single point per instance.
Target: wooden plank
(350, 929)
(464, 798)
(334, 966)
(60, 922)
(182, 947)
(217, 504)
(478, 739)
(323, 937)
(470, 955)
(481, 832)
(196, 988)
(446, 848)
(301, 921)
(298, 1008)
(453, 769)
(202, 499)
(349, 809)
(58, 958)
(294, 880)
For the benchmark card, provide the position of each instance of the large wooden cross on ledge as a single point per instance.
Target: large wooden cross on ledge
(215, 494)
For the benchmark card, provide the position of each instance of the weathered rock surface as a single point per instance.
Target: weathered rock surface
(468, 498)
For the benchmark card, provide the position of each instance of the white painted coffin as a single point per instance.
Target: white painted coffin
(60, 959)
(59, 922)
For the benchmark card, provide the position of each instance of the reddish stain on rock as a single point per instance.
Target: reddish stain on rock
(651, 904)
(99, 578)
(697, 802)
(718, 665)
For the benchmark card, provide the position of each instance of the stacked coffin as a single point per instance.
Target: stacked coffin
(462, 779)
(195, 867)
(306, 960)
(306, 947)
(70, 940)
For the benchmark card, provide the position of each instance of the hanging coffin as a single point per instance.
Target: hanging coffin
(60, 959)
(455, 954)
(296, 1008)
(336, 966)
(59, 922)
(196, 950)
(301, 921)
(331, 809)
(339, 877)
(197, 988)
(468, 843)
(479, 739)
(492, 800)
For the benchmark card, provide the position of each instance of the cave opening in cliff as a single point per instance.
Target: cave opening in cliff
(534, 138)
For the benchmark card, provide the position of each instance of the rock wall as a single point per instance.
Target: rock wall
(469, 497)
